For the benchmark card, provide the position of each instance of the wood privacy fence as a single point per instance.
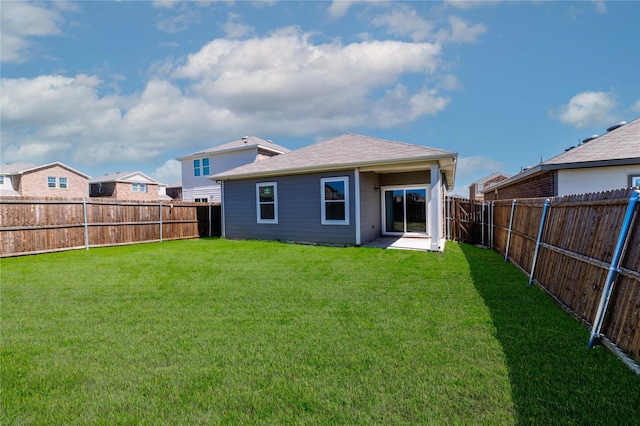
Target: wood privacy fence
(29, 226)
(573, 252)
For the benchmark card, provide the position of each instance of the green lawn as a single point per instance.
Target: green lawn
(213, 331)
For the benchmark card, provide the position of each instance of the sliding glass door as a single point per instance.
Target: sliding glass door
(405, 210)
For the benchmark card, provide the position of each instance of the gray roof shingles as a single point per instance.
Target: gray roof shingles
(618, 144)
(243, 143)
(348, 150)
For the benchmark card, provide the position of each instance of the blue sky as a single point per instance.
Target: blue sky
(125, 86)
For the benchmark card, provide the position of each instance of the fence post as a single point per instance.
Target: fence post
(86, 223)
(160, 221)
(506, 252)
(482, 223)
(492, 212)
(448, 218)
(613, 269)
(209, 219)
(535, 255)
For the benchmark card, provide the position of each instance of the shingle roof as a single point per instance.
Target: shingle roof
(618, 144)
(242, 143)
(491, 176)
(123, 177)
(21, 167)
(342, 152)
(617, 147)
(15, 168)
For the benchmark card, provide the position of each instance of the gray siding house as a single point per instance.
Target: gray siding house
(349, 190)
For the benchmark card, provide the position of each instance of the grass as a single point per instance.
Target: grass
(225, 332)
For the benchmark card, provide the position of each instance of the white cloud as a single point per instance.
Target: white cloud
(588, 109)
(180, 22)
(234, 28)
(281, 84)
(20, 22)
(601, 6)
(636, 107)
(169, 172)
(461, 32)
(470, 4)
(403, 21)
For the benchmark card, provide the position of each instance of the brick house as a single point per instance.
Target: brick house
(600, 163)
(129, 186)
(55, 180)
(476, 188)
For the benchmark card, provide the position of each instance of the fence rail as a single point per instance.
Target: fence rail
(31, 226)
(573, 252)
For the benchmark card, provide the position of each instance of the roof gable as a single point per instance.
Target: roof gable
(126, 177)
(346, 151)
(246, 142)
(23, 167)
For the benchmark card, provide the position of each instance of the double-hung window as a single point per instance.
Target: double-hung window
(201, 167)
(139, 187)
(64, 184)
(334, 193)
(267, 202)
(51, 182)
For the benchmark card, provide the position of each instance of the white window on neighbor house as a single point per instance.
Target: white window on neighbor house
(634, 180)
(139, 187)
(479, 186)
(51, 182)
(200, 200)
(334, 193)
(201, 167)
(267, 202)
(63, 183)
(1, 179)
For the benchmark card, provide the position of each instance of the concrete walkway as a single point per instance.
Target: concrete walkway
(401, 243)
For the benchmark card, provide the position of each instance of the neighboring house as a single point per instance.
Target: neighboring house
(476, 188)
(125, 186)
(198, 166)
(599, 163)
(344, 191)
(174, 190)
(48, 180)
(162, 192)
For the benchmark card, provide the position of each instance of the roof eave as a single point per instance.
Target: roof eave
(330, 167)
(224, 151)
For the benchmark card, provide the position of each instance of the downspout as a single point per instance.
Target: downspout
(222, 221)
(357, 201)
(613, 269)
(535, 255)
(506, 252)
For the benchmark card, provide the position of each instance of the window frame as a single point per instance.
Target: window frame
(1, 179)
(259, 219)
(201, 167)
(324, 201)
(64, 185)
(139, 187)
(632, 177)
(52, 180)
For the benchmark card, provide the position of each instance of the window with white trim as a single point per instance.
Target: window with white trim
(201, 167)
(201, 200)
(634, 180)
(51, 182)
(139, 187)
(64, 184)
(267, 202)
(1, 179)
(334, 193)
